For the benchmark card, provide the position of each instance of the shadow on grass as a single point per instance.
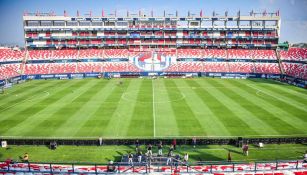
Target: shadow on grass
(199, 156)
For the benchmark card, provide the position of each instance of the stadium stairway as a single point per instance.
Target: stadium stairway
(279, 62)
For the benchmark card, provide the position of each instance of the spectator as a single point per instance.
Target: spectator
(171, 149)
(100, 141)
(177, 160)
(9, 161)
(53, 145)
(186, 158)
(130, 159)
(194, 142)
(137, 145)
(245, 149)
(139, 154)
(149, 150)
(174, 144)
(160, 146)
(25, 157)
(229, 157)
(111, 167)
(169, 158)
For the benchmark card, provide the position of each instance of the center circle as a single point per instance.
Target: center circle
(159, 96)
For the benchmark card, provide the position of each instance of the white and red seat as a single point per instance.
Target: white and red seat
(267, 68)
(65, 54)
(8, 54)
(90, 53)
(9, 70)
(215, 67)
(297, 70)
(119, 67)
(239, 54)
(241, 67)
(56, 68)
(37, 68)
(185, 67)
(89, 67)
(115, 53)
(39, 54)
(295, 54)
(264, 54)
(189, 53)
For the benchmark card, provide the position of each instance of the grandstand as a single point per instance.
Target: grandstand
(153, 44)
(232, 47)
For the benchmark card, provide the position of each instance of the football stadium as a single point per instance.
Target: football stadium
(145, 92)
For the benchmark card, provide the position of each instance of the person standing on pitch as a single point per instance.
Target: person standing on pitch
(305, 157)
(245, 149)
(228, 157)
(174, 144)
(149, 150)
(130, 159)
(160, 148)
(186, 158)
(171, 150)
(194, 142)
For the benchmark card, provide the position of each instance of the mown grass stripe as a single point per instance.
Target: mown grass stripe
(280, 97)
(48, 106)
(298, 97)
(17, 99)
(199, 107)
(166, 124)
(141, 119)
(108, 99)
(118, 125)
(247, 108)
(66, 120)
(17, 90)
(21, 108)
(281, 103)
(236, 123)
(183, 113)
(283, 112)
(264, 110)
(18, 120)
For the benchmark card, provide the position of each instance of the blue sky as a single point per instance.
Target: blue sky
(293, 15)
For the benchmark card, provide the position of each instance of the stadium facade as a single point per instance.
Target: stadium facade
(194, 45)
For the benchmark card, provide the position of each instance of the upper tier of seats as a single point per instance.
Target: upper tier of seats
(230, 53)
(11, 55)
(116, 53)
(82, 67)
(296, 54)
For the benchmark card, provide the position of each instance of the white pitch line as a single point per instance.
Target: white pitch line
(153, 108)
(139, 137)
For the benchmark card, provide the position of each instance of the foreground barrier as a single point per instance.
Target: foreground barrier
(156, 167)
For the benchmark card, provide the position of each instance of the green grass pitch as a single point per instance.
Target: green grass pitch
(146, 108)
